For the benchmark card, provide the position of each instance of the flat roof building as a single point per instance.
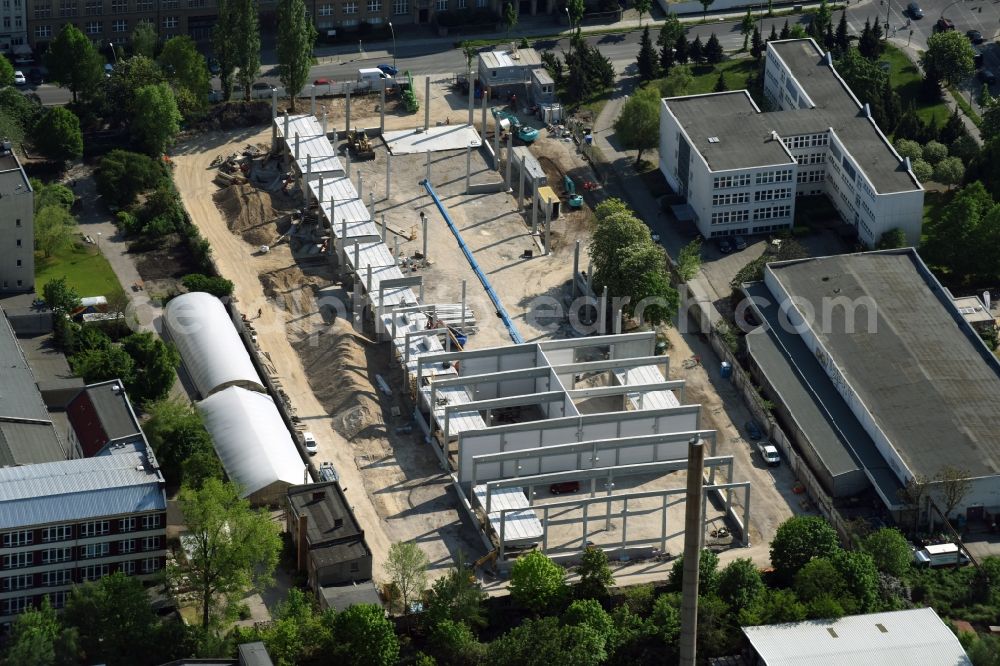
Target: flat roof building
(741, 168)
(101, 414)
(17, 214)
(897, 374)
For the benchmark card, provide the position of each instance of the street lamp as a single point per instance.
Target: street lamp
(568, 17)
(393, 45)
(113, 52)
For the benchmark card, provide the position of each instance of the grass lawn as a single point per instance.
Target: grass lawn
(734, 71)
(86, 271)
(906, 78)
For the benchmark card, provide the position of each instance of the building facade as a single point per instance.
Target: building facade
(17, 236)
(741, 169)
(70, 522)
(13, 26)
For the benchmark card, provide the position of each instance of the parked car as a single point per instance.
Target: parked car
(564, 487)
(309, 441)
(914, 11)
(943, 25)
(740, 242)
(753, 430)
(975, 36)
(322, 81)
(19, 79)
(725, 245)
(388, 69)
(769, 453)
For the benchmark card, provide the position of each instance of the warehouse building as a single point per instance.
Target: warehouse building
(879, 377)
(741, 169)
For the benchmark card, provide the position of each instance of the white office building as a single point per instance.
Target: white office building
(741, 168)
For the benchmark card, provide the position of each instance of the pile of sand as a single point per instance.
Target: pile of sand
(249, 212)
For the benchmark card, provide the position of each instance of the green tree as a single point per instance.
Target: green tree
(38, 638)
(954, 240)
(187, 71)
(708, 573)
(950, 171)
(590, 613)
(595, 574)
(219, 287)
(546, 641)
(296, 37)
(298, 632)
(155, 366)
(705, 4)
(60, 297)
(122, 175)
(55, 229)
(842, 38)
(860, 577)
(201, 466)
(681, 49)
(6, 73)
(950, 56)
(819, 579)
(689, 260)
(121, 89)
(757, 44)
(407, 567)
(720, 83)
(363, 635)
(713, 50)
(536, 582)
(953, 484)
(509, 17)
(890, 240)
(144, 39)
(246, 40)
(697, 50)
(101, 365)
(57, 135)
(233, 548)
(157, 118)
(740, 585)
(677, 81)
(454, 642)
(176, 432)
(934, 152)
(115, 622)
(643, 7)
(747, 25)
(922, 170)
(456, 596)
(647, 62)
(798, 540)
(670, 30)
(638, 124)
(909, 148)
(666, 618)
(576, 8)
(51, 194)
(224, 44)
(779, 606)
(890, 551)
(73, 62)
(786, 31)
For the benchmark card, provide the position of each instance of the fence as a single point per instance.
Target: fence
(331, 89)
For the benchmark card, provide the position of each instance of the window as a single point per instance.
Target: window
(94, 528)
(127, 568)
(22, 582)
(820, 140)
(325, 10)
(57, 577)
(151, 522)
(119, 25)
(16, 605)
(169, 4)
(730, 199)
(17, 222)
(150, 564)
(170, 21)
(849, 170)
(126, 546)
(17, 560)
(93, 572)
(400, 7)
(196, 3)
(53, 555)
(18, 242)
(810, 177)
(58, 599)
(92, 550)
(772, 212)
(94, 27)
(151, 543)
(95, 7)
(43, 11)
(374, 6)
(350, 8)
(67, 8)
(725, 182)
(144, 6)
(19, 263)
(779, 176)
(442, 5)
(463, 4)
(837, 155)
(126, 524)
(58, 533)
(769, 195)
(730, 216)
(19, 538)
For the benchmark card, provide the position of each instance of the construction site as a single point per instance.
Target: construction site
(428, 314)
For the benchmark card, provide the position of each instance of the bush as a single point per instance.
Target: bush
(122, 175)
(217, 286)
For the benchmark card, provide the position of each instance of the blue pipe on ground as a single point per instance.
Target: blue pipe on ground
(511, 330)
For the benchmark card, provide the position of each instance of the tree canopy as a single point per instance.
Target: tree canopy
(155, 366)
(365, 636)
(176, 432)
(6, 73)
(57, 134)
(407, 567)
(55, 230)
(37, 638)
(157, 118)
(949, 56)
(296, 36)
(798, 540)
(144, 39)
(73, 62)
(638, 125)
(122, 175)
(536, 582)
(187, 71)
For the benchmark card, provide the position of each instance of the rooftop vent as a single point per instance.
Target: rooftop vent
(318, 495)
(832, 632)
(713, 139)
(881, 627)
(828, 58)
(867, 110)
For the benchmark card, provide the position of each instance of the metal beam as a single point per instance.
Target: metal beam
(512, 350)
(613, 364)
(502, 376)
(512, 401)
(579, 421)
(619, 389)
(598, 341)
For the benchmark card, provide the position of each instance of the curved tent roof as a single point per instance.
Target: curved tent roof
(252, 441)
(213, 353)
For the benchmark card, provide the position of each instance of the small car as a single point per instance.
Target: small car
(914, 10)
(19, 79)
(769, 454)
(564, 487)
(753, 430)
(943, 25)
(388, 69)
(322, 81)
(108, 68)
(725, 245)
(975, 36)
(309, 441)
(740, 242)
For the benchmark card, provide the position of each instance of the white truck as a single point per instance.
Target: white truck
(374, 77)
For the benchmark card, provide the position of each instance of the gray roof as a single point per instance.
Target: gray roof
(508, 58)
(810, 397)
(929, 382)
(113, 409)
(897, 638)
(29, 442)
(71, 490)
(744, 134)
(254, 654)
(13, 180)
(341, 597)
(837, 108)
(19, 397)
(329, 543)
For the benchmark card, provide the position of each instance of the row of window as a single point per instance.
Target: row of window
(776, 176)
(16, 605)
(730, 216)
(773, 195)
(772, 212)
(730, 199)
(88, 529)
(70, 8)
(65, 576)
(86, 552)
(726, 182)
(810, 176)
(767, 228)
(807, 141)
(18, 22)
(811, 158)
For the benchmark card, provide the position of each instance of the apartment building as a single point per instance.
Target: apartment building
(64, 523)
(17, 236)
(13, 26)
(742, 168)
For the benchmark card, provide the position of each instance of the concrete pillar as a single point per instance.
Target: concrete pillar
(274, 120)
(590, 275)
(482, 131)
(693, 535)
(324, 122)
(427, 103)
(357, 255)
(496, 152)
(296, 145)
(381, 108)
(388, 175)
(428, 174)
(361, 186)
(520, 188)
(383, 227)
(347, 111)
(534, 207)
(510, 161)
(371, 203)
(463, 307)
(472, 96)
(312, 100)
(286, 127)
(274, 103)
(548, 229)
(395, 248)
(423, 222)
(602, 313)
(576, 266)
(468, 167)
(347, 162)
(356, 309)
(305, 181)
(321, 190)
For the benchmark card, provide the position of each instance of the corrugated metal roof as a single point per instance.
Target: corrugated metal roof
(312, 143)
(898, 638)
(518, 526)
(646, 374)
(517, 58)
(78, 489)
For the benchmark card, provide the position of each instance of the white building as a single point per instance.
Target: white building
(741, 169)
(13, 27)
(17, 237)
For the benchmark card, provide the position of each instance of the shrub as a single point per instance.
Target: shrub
(122, 175)
(217, 286)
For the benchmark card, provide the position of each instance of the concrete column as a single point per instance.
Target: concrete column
(428, 174)
(463, 307)
(356, 309)
(534, 207)
(361, 186)
(274, 103)
(357, 255)
(482, 131)
(590, 275)
(347, 162)
(371, 203)
(510, 160)
(423, 222)
(381, 107)
(602, 313)
(468, 167)
(576, 266)
(296, 145)
(274, 119)
(383, 227)
(324, 122)
(312, 100)
(305, 181)
(388, 175)
(427, 103)
(520, 188)
(286, 127)
(347, 110)
(321, 190)
(693, 535)
(472, 96)
(343, 234)
(496, 152)
(548, 229)
(395, 248)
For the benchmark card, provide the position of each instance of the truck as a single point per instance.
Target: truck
(374, 77)
(940, 555)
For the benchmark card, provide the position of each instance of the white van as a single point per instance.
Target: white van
(374, 76)
(940, 555)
